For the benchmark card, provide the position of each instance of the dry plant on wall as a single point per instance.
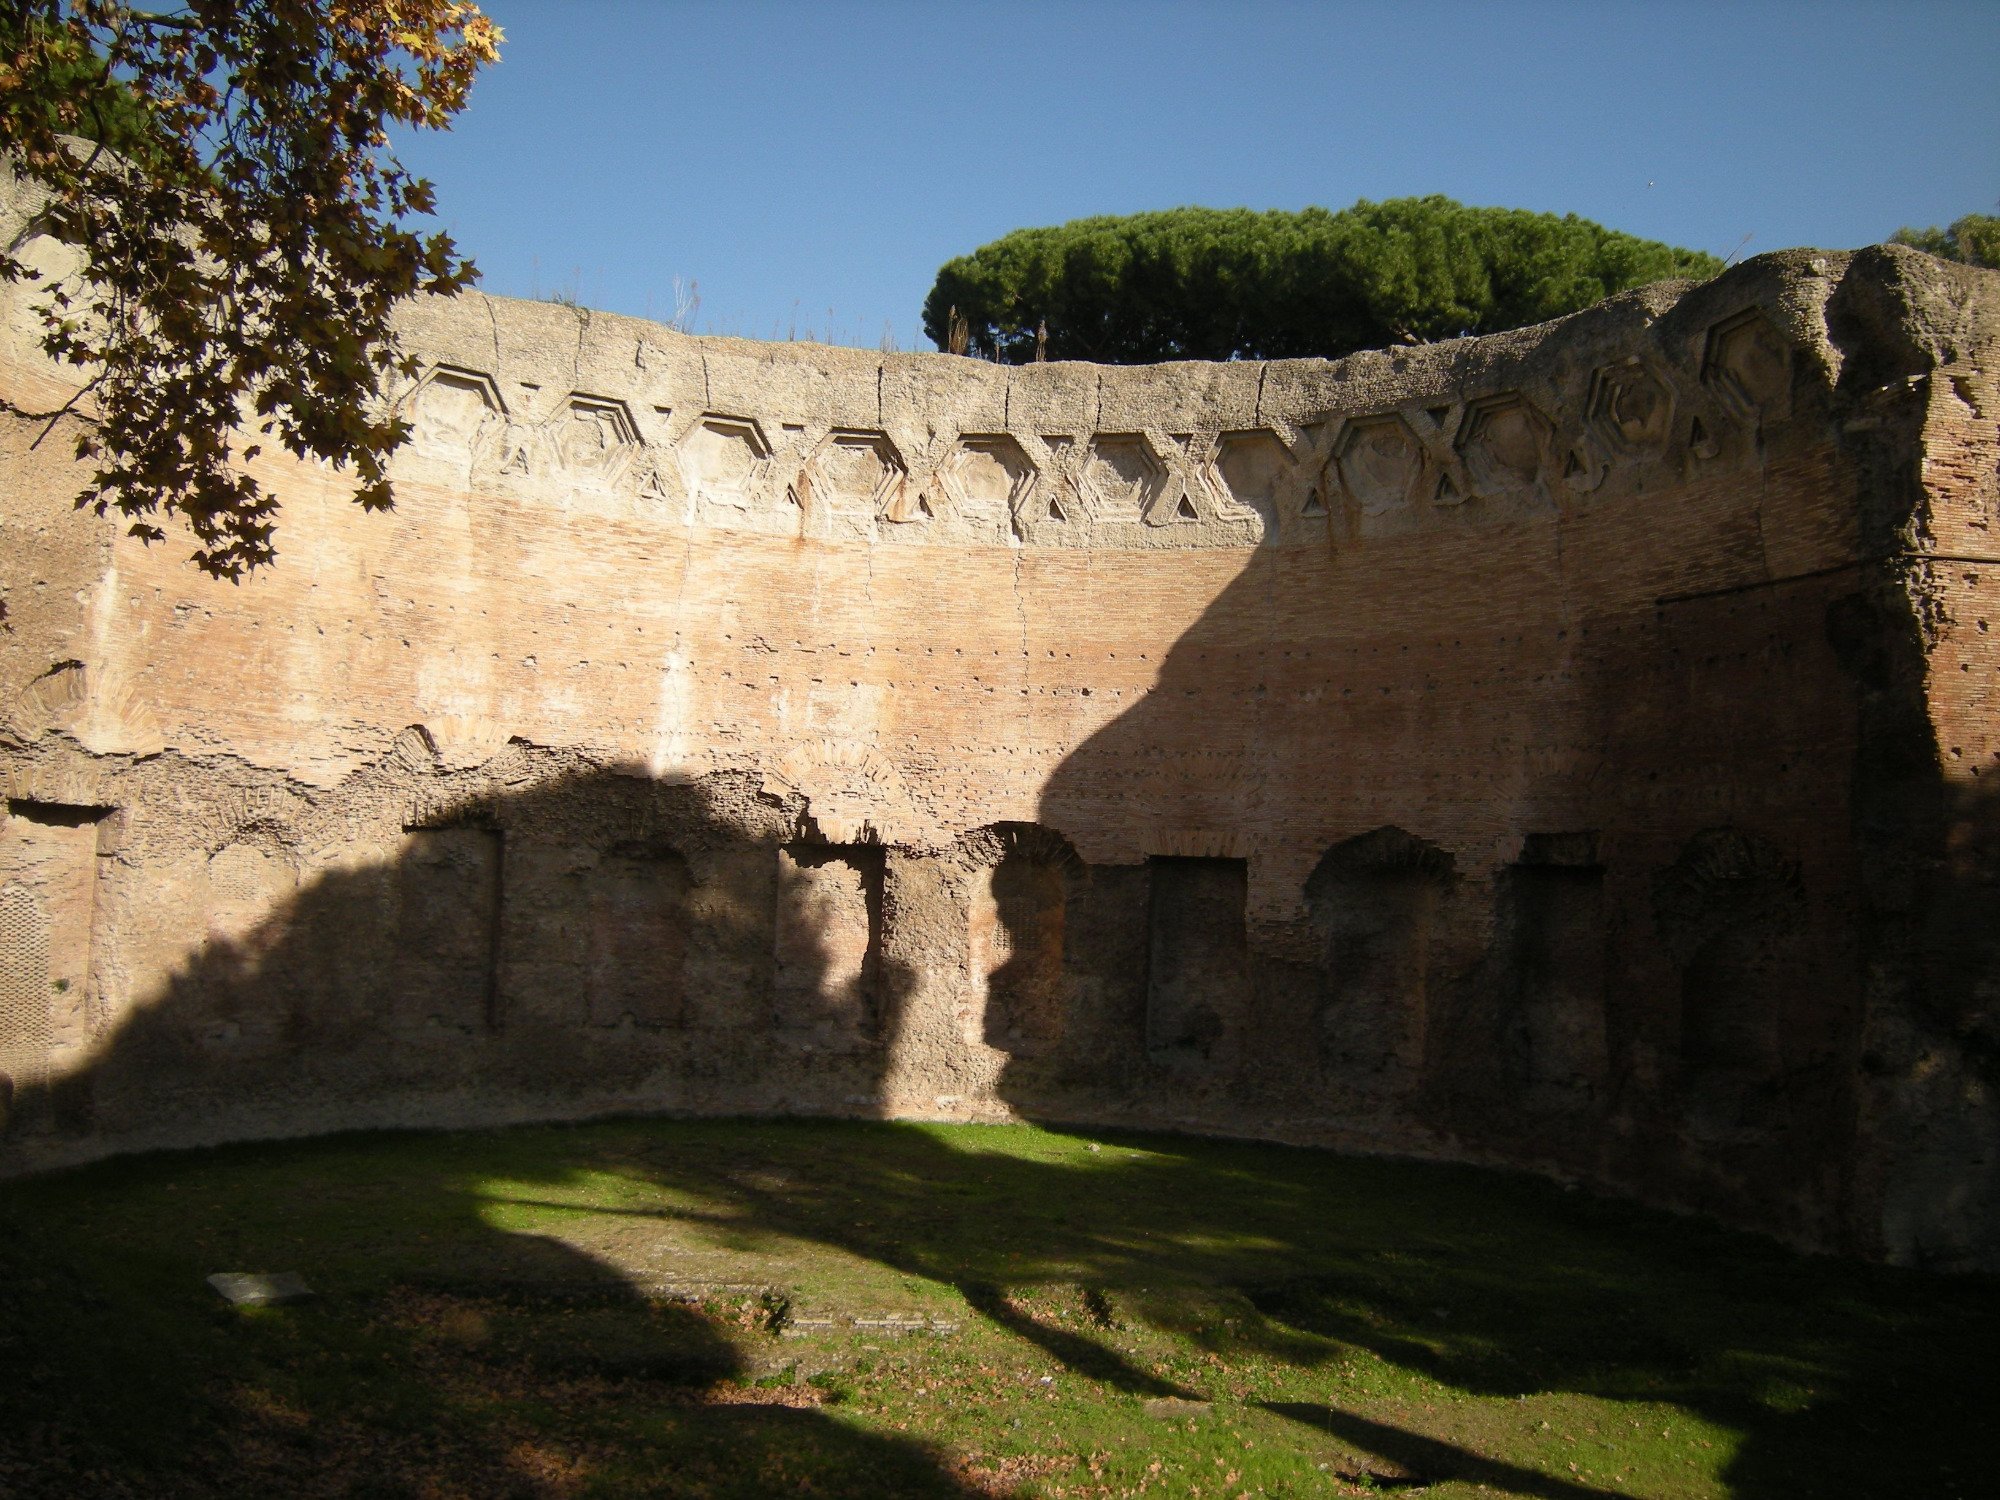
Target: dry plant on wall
(221, 172)
(687, 302)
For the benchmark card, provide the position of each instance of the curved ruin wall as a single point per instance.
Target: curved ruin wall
(1562, 748)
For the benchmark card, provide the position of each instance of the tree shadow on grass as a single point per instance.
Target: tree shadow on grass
(450, 1353)
(1420, 1461)
(1840, 1378)
(438, 1357)
(1076, 1352)
(441, 1356)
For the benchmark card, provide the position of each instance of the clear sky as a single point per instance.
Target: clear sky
(810, 165)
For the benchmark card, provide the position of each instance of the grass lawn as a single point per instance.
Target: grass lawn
(775, 1308)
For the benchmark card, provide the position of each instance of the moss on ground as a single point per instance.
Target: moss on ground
(765, 1308)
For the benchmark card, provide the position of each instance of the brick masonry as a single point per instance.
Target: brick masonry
(1571, 749)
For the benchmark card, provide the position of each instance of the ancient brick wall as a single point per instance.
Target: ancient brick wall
(1565, 748)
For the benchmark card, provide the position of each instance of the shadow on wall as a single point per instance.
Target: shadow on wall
(1708, 999)
(1407, 846)
(1673, 893)
(1652, 979)
(593, 942)
(1628, 994)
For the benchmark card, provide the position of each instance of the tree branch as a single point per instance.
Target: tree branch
(61, 411)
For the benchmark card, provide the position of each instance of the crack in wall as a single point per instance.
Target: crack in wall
(493, 320)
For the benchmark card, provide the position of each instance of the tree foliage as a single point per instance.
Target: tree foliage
(1974, 239)
(222, 170)
(1206, 283)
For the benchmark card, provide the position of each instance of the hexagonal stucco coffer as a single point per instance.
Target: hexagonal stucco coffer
(1748, 363)
(991, 475)
(1630, 408)
(1503, 440)
(1253, 467)
(451, 409)
(1123, 475)
(595, 436)
(720, 458)
(860, 473)
(1379, 460)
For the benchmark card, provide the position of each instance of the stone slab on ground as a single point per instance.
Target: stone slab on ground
(260, 1288)
(1175, 1408)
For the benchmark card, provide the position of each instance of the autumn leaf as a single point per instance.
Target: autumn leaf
(240, 229)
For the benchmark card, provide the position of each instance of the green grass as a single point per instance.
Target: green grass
(671, 1308)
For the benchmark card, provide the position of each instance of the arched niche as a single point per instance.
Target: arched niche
(1198, 983)
(639, 920)
(1729, 913)
(828, 944)
(1017, 995)
(1373, 901)
(1551, 942)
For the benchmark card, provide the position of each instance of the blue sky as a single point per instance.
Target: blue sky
(810, 165)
